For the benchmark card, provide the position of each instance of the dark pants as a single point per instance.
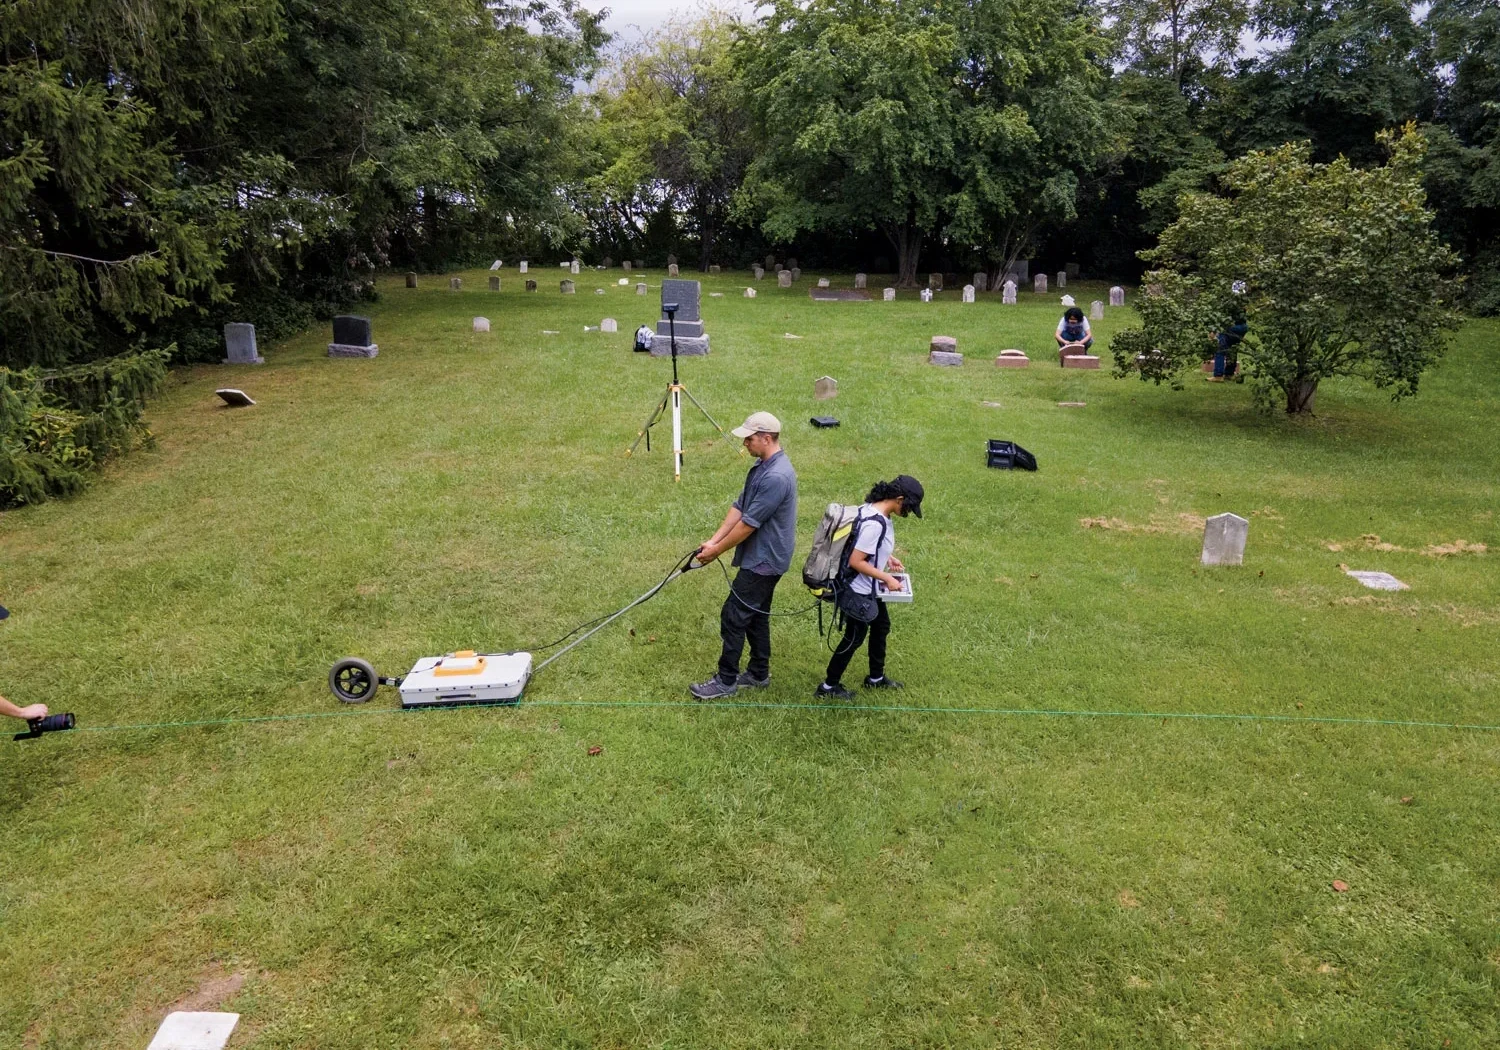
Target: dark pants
(1227, 358)
(740, 619)
(878, 630)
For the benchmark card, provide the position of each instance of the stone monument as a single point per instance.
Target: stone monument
(1039, 284)
(1008, 295)
(609, 324)
(935, 281)
(861, 281)
(1117, 296)
(566, 287)
(671, 269)
(496, 264)
(573, 266)
(1224, 538)
(494, 284)
(1012, 359)
(889, 295)
(926, 295)
(523, 265)
(1096, 311)
(796, 272)
(481, 324)
(530, 286)
(968, 293)
(352, 337)
(692, 340)
(239, 344)
(824, 388)
(411, 280)
(749, 293)
(714, 271)
(784, 278)
(455, 284)
(822, 282)
(640, 288)
(944, 351)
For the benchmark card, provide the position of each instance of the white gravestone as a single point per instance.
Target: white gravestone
(784, 278)
(194, 1030)
(1117, 296)
(671, 269)
(573, 266)
(235, 398)
(749, 293)
(1062, 279)
(861, 281)
(1377, 581)
(239, 343)
(889, 294)
(623, 282)
(822, 282)
(968, 293)
(1039, 284)
(1067, 300)
(927, 295)
(496, 264)
(1096, 311)
(481, 324)
(640, 289)
(609, 324)
(1224, 539)
(1008, 295)
(455, 284)
(523, 265)
(759, 271)
(825, 387)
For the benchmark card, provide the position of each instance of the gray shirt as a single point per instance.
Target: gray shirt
(768, 505)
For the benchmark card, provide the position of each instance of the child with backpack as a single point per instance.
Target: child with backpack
(870, 560)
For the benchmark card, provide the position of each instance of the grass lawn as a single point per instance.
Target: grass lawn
(783, 874)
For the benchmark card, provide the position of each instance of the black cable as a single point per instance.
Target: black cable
(678, 564)
(766, 612)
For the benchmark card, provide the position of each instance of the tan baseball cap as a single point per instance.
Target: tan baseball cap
(758, 423)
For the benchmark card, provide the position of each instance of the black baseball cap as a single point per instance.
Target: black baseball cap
(911, 488)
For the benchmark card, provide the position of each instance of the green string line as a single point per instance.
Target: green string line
(760, 705)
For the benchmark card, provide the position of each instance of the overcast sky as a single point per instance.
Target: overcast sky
(628, 19)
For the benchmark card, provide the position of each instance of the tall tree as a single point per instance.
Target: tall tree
(1166, 38)
(1336, 269)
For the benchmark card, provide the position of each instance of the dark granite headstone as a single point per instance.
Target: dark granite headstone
(688, 323)
(351, 330)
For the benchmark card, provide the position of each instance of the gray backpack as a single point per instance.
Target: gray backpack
(827, 563)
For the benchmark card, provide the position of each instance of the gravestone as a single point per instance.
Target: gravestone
(530, 286)
(609, 324)
(608, 262)
(1039, 284)
(692, 340)
(1012, 359)
(791, 263)
(566, 287)
(640, 289)
(494, 284)
(713, 271)
(947, 358)
(1072, 270)
(796, 272)
(889, 295)
(235, 398)
(935, 281)
(968, 293)
(784, 278)
(671, 260)
(1020, 272)
(239, 344)
(481, 324)
(623, 282)
(749, 293)
(822, 282)
(1008, 296)
(1079, 361)
(824, 388)
(1096, 311)
(563, 264)
(455, 284)
(598, 291)
(523, 265)
(981, 282)
(671, 269)
(625, 265)
(496, 264)
(861, 281)
(927, 295)
(411, 280)
(771, 262)
(944, 344)
(760, 272)
(1062, 279)
(352, 337)
(1224, 539)
(639, 265)
(1117, 296)
(194, 1030)
(1377, 581)
(573, 266)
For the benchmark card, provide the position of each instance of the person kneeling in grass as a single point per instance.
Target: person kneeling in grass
(11, 710)
(1074, 328)
(870, 561)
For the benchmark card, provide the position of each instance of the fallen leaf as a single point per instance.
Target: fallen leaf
(595, 750)
(1340, 886)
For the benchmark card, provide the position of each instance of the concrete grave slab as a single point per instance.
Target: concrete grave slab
(235, 398)
(1377, 581)
(194, 1031)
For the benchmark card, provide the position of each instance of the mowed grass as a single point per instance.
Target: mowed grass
(786, 874)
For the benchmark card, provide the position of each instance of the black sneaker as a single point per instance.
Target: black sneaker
(883, 682)
(832, 692)
(746, 681)
(713, 689)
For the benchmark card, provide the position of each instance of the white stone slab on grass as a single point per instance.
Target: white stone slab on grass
(185, 1030)
(1377, 581)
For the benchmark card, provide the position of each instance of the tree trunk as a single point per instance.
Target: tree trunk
(907, 240)
(1299, 395)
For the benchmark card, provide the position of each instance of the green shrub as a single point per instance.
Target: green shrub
(55, 426)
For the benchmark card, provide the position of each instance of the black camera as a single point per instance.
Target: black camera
(49, 724)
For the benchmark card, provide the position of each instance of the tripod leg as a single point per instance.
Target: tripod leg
(645, 431)
(700, 408)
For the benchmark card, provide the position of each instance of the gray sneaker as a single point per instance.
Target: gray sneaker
(713, 689)
(745, 681)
